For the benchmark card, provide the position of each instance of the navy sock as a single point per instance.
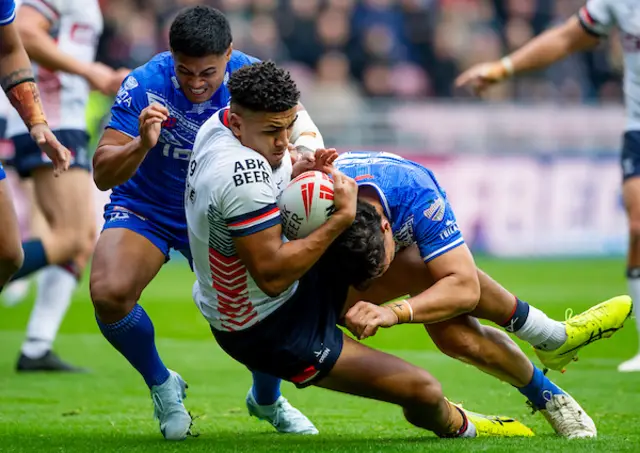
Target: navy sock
(518, 317)
(540, 389)
(266, 388)
(34, 258)
(133, 337)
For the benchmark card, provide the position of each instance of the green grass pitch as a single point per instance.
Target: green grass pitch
(110, 409)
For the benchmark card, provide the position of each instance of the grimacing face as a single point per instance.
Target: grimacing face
(200, 77)
(265, 132)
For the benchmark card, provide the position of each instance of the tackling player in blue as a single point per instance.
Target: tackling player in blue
(16, 79)
(143, 156)
(402, 207)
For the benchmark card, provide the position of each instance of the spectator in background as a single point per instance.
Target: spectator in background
(395, 48)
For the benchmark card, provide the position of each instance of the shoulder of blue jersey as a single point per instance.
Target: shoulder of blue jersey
(240, 59)
(7, 12)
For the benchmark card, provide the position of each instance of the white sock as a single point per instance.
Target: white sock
(542, 332)
(55, 289)
(634, 292)
(470, 431)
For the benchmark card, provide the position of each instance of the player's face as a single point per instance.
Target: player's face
(265, 132)
(200, 77)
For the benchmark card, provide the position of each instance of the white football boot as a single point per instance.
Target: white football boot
(282, 415)
(567, 418)
(15, 292)
(630, 365)
(175, 421)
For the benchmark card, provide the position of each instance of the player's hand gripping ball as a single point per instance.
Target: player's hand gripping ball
(305, 204)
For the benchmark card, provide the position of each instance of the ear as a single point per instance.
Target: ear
(235, 124)
(385, 225)
(229, 52)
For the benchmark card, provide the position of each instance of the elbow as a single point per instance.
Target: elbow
(28, 37)
(101, 185)
(272, 288)
(272, 285)
(99, 175)
(468, 293)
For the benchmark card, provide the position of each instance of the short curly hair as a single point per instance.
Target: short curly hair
(358, 254)
(200, 31)
(263, 87)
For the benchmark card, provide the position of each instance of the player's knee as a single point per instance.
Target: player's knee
(110, 295)
(634, 225)
(423, 390)
(11, 260)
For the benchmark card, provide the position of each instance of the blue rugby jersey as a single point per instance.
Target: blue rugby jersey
(413, 201)
(156, 190)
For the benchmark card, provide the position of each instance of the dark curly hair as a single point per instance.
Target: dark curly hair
(200, 31)
(263, 87)
(358, 254)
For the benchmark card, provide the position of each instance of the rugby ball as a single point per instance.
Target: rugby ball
(305, 204)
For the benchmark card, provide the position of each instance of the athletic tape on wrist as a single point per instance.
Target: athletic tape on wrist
(25, 98)
(403, 310)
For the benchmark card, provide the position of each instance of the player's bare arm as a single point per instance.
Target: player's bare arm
(34, 29)
(456, 291)
(118, 155)
(539, 53)
(16, 79)
(275, 265)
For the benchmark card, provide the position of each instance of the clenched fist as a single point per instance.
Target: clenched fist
(150, 123)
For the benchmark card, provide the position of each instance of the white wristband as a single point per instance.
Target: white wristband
(508, 65)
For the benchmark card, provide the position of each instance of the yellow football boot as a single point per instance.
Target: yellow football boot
(598, 322)
(496, 425)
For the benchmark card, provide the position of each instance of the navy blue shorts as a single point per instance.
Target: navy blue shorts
(300, 342)
(28, 156)
(163, 238)
(630, 159)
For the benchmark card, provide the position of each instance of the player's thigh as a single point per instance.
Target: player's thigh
(10, 246)
(65, 200)
(363, 371)
(407, 275)
(124, 262)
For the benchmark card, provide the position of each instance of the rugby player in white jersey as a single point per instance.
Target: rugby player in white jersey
(582, 32)
(16, 80)
(273, 305)
(61, 38)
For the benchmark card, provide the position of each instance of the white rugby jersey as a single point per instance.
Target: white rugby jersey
(76, 25)
(598, 17)
(231, 191)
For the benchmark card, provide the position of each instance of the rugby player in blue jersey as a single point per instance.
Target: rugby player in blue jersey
(402, 206)
(143, 156)
(16, 79)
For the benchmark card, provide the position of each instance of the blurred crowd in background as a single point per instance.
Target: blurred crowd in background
(344, 50)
